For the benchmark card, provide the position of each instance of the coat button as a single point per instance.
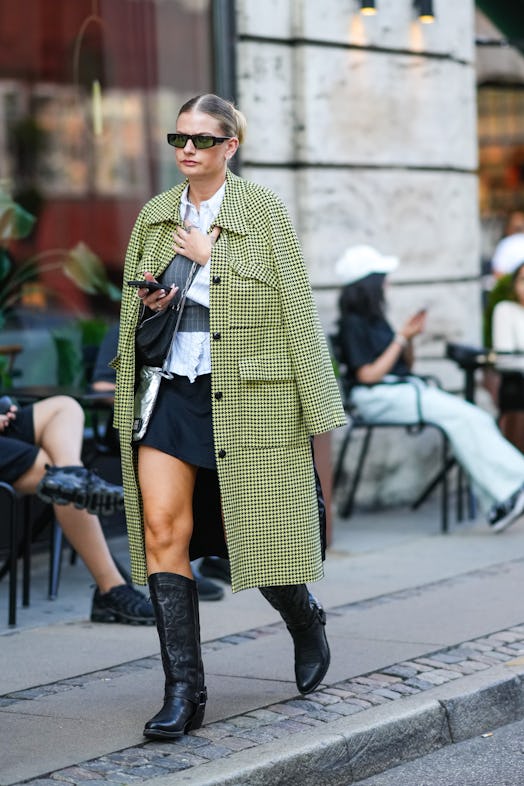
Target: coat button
(216, 279)
(216, 336)
(221, 453)
(218, 395)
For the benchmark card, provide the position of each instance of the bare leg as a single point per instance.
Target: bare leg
(58, 424)
(59, 429)
(167, 485)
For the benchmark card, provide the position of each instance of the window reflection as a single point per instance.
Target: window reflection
(501, 148)
(88, 90)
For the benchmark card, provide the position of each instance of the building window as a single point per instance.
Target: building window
(88, 91)
(501, 149)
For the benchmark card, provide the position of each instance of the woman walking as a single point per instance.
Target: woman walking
(226, 456)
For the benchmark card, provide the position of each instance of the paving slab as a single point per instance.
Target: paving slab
(350, 749)
(106, 715)
(402, 599)
(41, 655)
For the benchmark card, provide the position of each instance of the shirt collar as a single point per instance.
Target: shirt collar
(232, 213)
(211, 205)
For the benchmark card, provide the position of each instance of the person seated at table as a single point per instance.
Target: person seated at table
(508, 337)
(383, 387)
(40, 447)
(104, 380)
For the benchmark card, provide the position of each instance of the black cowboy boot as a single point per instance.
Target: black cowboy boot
(305, 620)
(175, 601)
(81, 487)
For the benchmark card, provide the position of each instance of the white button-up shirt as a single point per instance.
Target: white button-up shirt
(190, 354)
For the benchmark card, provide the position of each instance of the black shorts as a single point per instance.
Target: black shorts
(18, 451)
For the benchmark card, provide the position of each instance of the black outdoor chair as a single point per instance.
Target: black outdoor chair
(357, 422)
(24, 529)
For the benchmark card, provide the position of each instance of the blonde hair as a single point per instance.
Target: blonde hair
(231, 119)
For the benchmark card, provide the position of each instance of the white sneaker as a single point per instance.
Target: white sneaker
(506, 513)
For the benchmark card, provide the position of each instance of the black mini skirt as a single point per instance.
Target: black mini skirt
(181, 424)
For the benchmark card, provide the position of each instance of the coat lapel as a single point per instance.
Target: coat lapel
(232, 213)
(167, 207)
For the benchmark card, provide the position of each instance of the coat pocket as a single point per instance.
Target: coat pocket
(271, 414)
(253, 267)
(253, 295)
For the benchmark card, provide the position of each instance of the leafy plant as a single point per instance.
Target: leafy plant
(81, 265)
(503, 290)
(5, 376)
(76, 348)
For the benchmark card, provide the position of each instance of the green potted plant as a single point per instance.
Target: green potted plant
(81, 265)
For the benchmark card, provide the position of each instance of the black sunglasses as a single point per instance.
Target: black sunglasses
(200, 141)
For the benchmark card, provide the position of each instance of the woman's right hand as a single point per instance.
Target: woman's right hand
(414, 325)
(194, 244)
(158, 299)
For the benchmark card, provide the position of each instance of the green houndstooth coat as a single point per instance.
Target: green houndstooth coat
(272, 383)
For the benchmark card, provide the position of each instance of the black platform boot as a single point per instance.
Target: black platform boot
(175, 601)
(83, 488)
(305, 620)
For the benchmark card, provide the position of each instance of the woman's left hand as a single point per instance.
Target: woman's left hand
(193, 244)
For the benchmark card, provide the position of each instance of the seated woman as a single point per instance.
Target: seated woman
(50, 432)
(379, 361)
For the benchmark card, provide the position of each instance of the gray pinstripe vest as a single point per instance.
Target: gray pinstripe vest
(195, 318)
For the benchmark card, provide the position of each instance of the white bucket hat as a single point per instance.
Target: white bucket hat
(360, 261)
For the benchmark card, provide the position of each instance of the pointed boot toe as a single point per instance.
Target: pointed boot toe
(177, 717)
(312, 656)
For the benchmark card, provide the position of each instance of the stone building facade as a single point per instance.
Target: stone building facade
(366, 126)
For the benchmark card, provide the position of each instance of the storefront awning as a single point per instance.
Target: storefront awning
(508, 16)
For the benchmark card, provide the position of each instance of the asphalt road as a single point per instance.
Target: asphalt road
(496, 760)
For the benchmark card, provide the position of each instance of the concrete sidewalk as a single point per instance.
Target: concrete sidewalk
(427, 639)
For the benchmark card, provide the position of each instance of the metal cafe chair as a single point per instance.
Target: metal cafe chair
(24, 528)
(357, 422)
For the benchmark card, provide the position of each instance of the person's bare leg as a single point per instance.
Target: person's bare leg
(59, 429)
(166, 485)
(85, 534)
(58, 425)
(82, 530)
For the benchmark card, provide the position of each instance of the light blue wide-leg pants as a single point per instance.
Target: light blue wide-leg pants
(494, 465)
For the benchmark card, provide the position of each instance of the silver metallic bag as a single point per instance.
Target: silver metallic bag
(145, 398)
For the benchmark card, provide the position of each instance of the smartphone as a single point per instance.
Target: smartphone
(5, 404)
(151, 285)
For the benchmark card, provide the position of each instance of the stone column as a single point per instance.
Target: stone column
(366, 127)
